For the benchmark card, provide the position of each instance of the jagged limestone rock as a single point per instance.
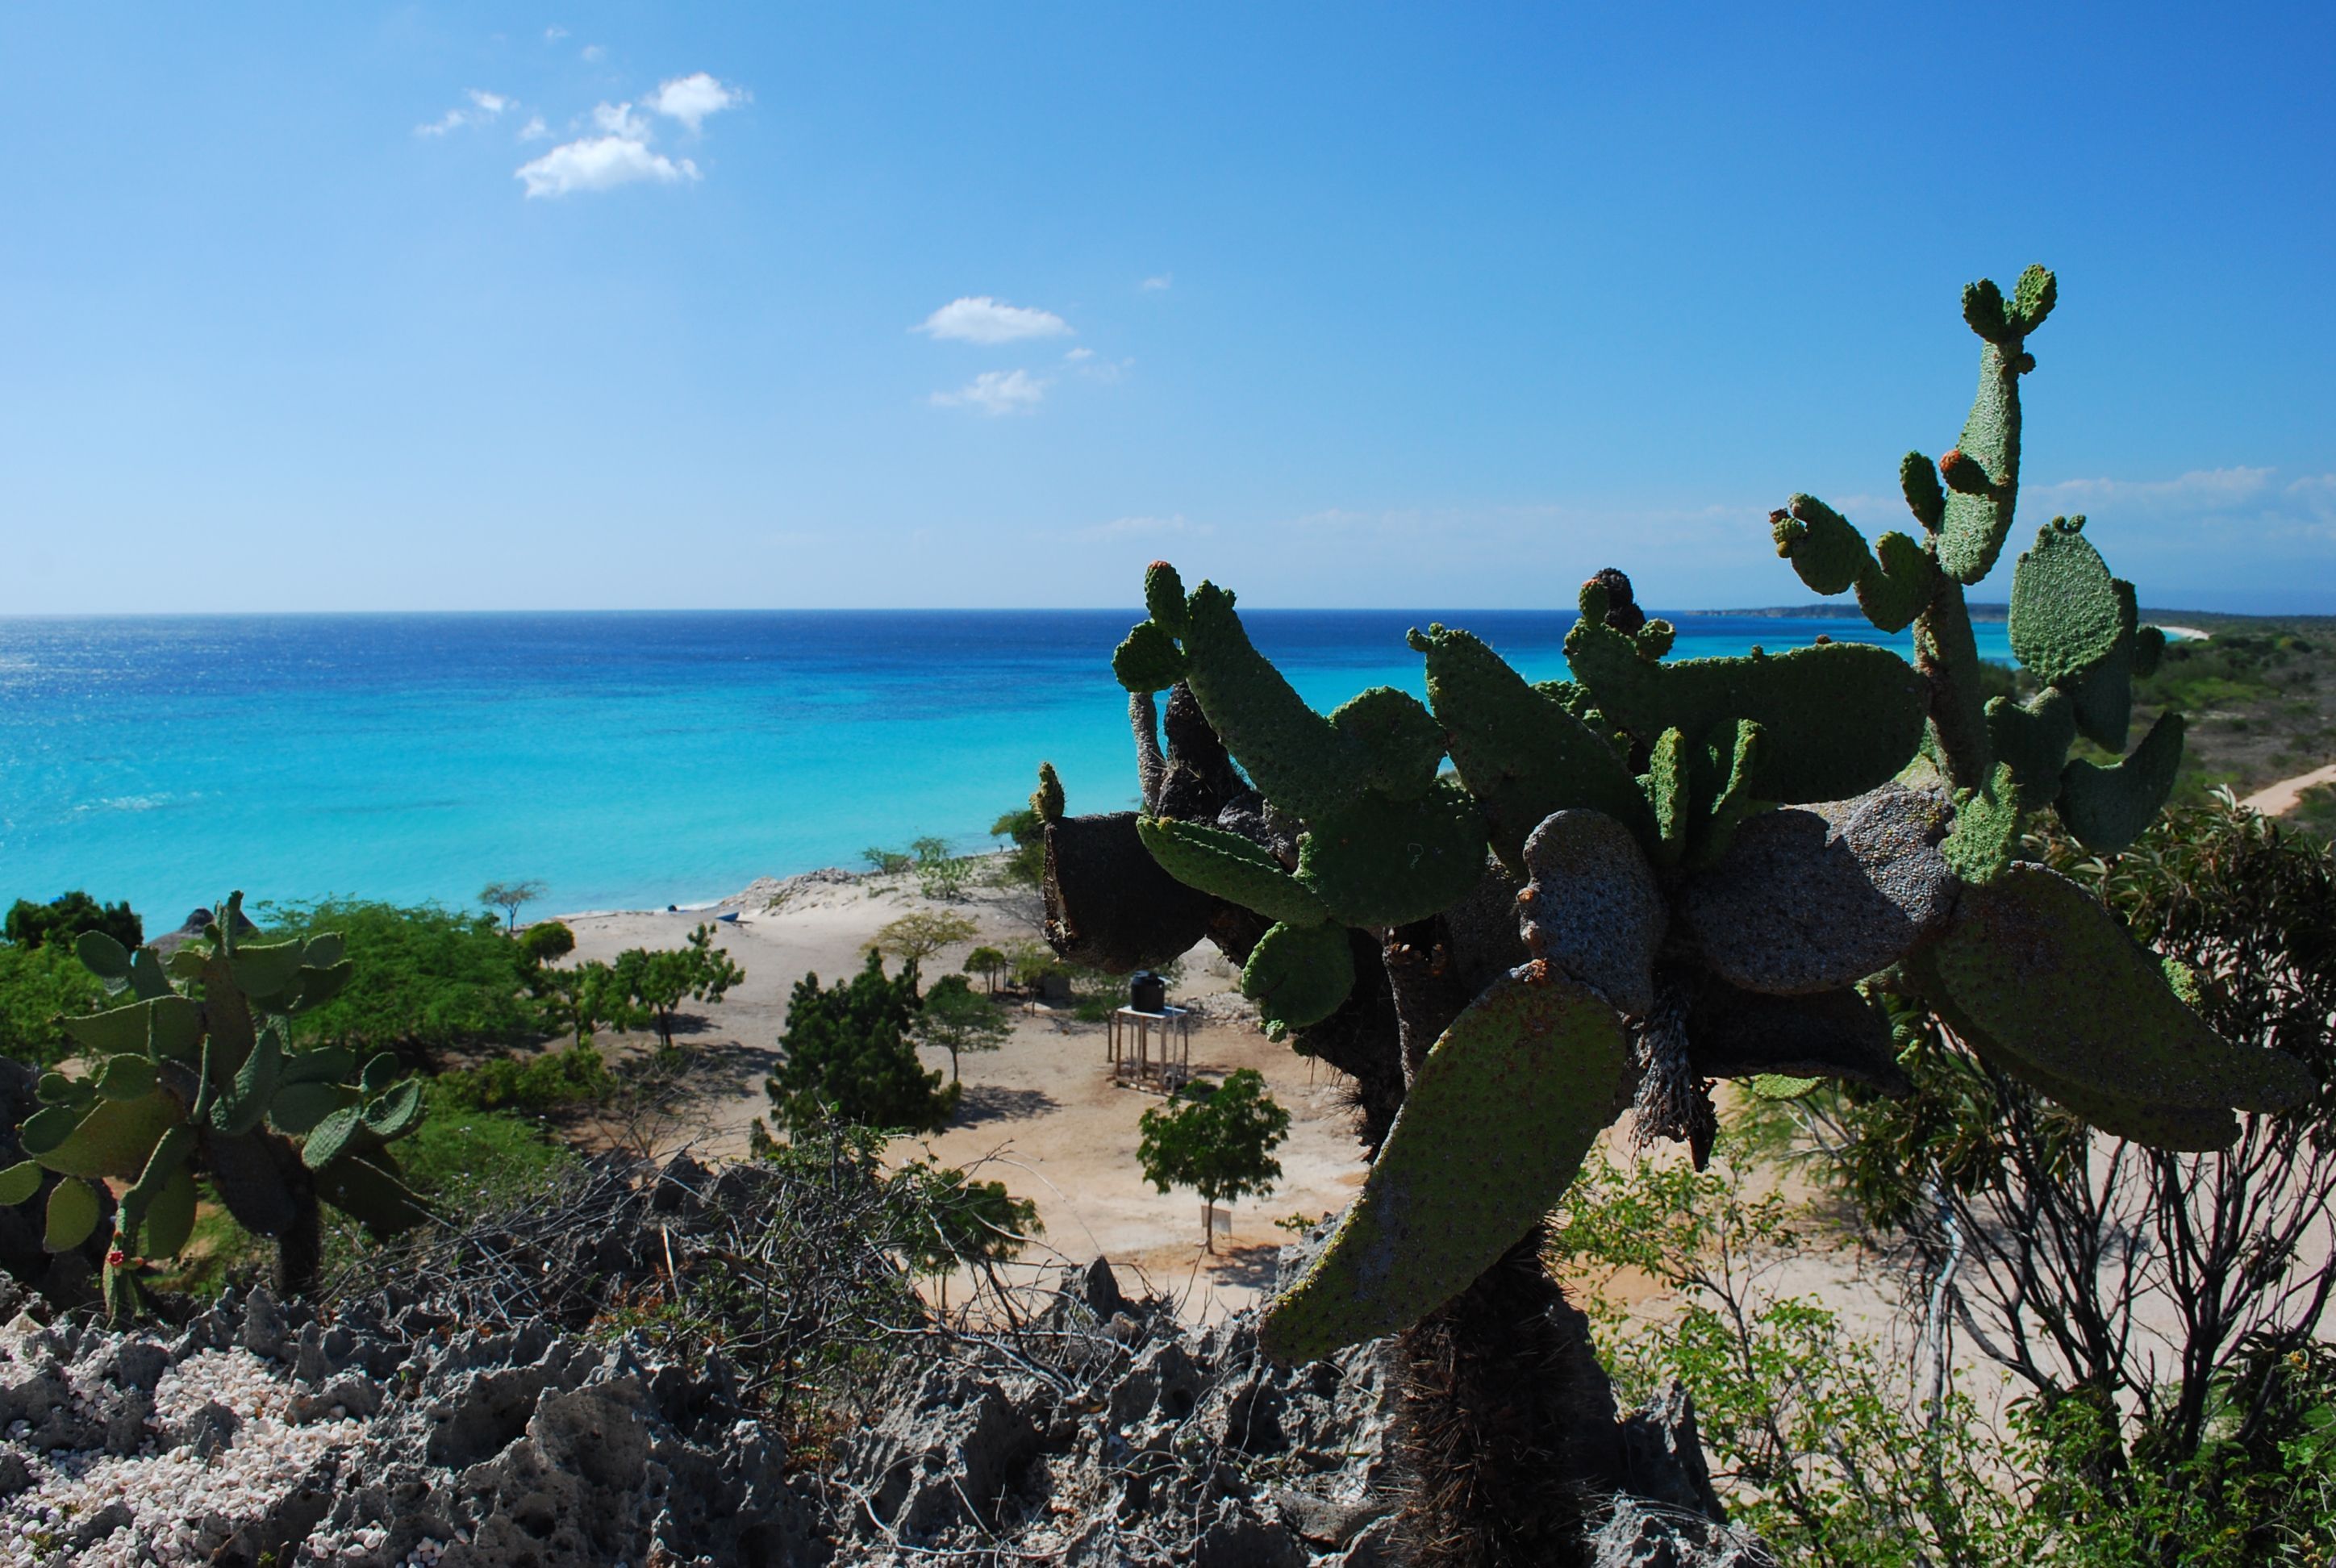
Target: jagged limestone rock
(1801, 903)
(1593, 907)
(2045, 973)
(1492, 1130)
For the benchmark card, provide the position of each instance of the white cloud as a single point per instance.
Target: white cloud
(592, 53)
(1106, 370)
(981, 319)
(554, 34)
(1076, 355)
(618, 120)
(1158, 281)
(484, 107)
(600, 163)
(690, 99)
(534, 130)
(996, 391)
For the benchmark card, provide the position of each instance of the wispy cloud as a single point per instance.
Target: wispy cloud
(690, 99)
(979, 318)
(621, 153)
(996, 391)
(484, 107)
(592, 53)
(621, 157)
(554, 34)
(1104, 370)
(1157, 281)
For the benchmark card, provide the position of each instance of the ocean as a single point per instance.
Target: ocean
(625, 760)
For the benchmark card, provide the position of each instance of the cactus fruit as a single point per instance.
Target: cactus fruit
(1722, 852)
(179, 1081)
(1593, 907)
(1531, 1071)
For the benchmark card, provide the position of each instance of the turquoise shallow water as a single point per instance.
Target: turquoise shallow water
(626, 760)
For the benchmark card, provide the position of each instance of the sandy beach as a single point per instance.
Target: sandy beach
(1041, 1114)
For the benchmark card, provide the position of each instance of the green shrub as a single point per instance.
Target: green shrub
(550, 1081)
(426, 978)
(65, 917)
(38, 984)
(849, 1055)
(545, 940)
(472, 1161)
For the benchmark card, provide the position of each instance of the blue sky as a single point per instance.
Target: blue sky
(479, 306)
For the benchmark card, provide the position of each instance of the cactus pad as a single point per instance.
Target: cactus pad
(2108, 807)
(1149, 660)
(1397, 743)
(1519, 750)
(1898, 584)
(1987, 827)
(1379, 862)
(1825, 548)
(1802, 903)
(1983, 474)
(72, 1216)
(2065, 616)
(1799, 700)
(2042, 970)
(1493, 1131)
(1230, 867)
(1298, 975)
(2033, 738)
(1593, 909)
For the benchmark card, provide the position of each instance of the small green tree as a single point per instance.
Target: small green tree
(39, 989)
(651, 986)
(940, 874)
(65, 917)
(955, 1020)
(920, 933)
(545, 941)
(1219, 1141)
(1025, 831)
(989, 963)
(947, 1218)
(507, 897)
(885, 863)
(848, 1055)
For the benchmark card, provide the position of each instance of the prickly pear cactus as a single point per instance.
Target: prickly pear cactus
(1707, 864)
(191, 1075)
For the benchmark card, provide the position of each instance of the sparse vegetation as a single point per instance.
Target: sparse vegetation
(1217, 1139)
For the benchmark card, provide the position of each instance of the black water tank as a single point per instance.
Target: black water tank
(1147, 992)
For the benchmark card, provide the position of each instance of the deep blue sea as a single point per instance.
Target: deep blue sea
(625, 760)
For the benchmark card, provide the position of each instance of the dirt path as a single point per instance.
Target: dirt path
(2279, 799)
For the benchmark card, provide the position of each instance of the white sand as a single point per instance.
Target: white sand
(1042, 1111)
